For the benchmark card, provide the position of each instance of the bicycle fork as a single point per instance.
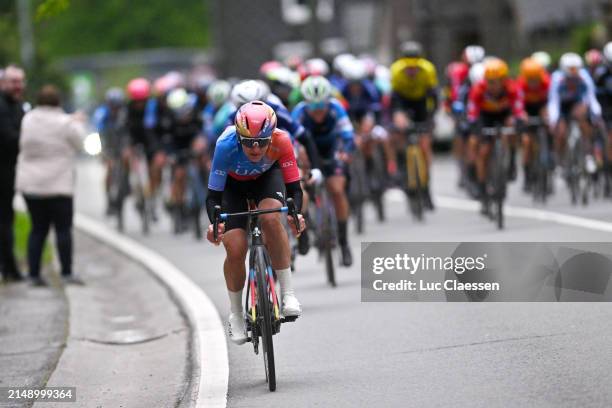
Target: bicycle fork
(416, 161)
(253, 288)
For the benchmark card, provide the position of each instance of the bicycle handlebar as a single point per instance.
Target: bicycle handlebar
(495, 131)
(219, 216)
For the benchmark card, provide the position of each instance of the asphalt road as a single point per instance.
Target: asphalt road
(346, 353)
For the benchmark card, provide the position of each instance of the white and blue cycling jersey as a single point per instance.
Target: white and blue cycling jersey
(335, 127)
(567, 90)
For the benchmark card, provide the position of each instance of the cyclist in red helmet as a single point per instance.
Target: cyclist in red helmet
(254, 160)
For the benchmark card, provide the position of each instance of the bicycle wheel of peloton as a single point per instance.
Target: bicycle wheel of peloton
(499, 164)
(412, 157)
(146, 215)
(265, 319)
(197, 222)
(329, 266)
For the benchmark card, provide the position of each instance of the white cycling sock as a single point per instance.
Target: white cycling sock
(284, 278)
(235, 301)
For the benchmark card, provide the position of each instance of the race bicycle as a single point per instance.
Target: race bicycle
(323, 214)
(416, 172)
(263, 318)
(140, 187)
(497, 171)
(541, 167)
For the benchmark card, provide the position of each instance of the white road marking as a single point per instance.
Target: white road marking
(454, 203)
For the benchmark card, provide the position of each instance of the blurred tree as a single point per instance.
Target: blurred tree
(90, 26)
(49, 8)
(9, 46)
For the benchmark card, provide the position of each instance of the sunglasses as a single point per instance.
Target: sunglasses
(317, 105)
(251, 142)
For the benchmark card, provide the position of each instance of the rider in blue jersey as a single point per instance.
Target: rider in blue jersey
(331, 129)
(571, 95)
(361, 94)
(110, 121)
(254, 161)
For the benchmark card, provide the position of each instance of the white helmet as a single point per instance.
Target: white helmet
(607, 52)
(218, 92)
(283, 75)
(543, 58)
(249, 90)
(179, 101)
(175, 80)
(570, 61)
(356, 71)
(317, 66)
(382, 72)
(342, 60)
(476, 73)
(370, 64)
(316, 89)
(473, 54)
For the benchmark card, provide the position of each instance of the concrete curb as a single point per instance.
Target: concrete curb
(210, 370)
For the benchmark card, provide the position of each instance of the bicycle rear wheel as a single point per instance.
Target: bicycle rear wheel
(329, 266)
(145, 215)
(499, 180)
(415, 189)
(265, 318)
(197, 222)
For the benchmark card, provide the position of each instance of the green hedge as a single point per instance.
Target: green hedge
(22, 230)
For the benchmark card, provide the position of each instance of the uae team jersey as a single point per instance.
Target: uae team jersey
(230, 160)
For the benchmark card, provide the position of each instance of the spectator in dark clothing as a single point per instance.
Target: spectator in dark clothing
(50, 141)
(11, 113)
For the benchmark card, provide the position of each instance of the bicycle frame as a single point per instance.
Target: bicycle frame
(540, 168)
(261, 290)
(498, 164)
(415, 158)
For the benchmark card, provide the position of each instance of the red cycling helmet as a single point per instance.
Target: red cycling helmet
(138, 89)
(593, 57)
(268, 66)
(255, 120)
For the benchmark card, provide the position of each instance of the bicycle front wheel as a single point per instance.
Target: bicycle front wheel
(265, 318)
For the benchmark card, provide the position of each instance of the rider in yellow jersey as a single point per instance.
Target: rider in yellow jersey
(414, 83)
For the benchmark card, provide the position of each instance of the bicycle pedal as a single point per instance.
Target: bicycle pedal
(289, 319)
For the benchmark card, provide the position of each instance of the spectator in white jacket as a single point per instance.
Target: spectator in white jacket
(50, 141)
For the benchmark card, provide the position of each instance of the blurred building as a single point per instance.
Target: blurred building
(247, 33)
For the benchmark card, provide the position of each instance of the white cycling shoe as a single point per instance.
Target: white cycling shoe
(236, 328)
(291, 306)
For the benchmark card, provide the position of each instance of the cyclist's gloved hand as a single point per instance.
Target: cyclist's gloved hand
(316, 177)
(210, 236)
(292, 225)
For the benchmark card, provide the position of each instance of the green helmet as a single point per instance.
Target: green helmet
(316, 89)
(218, 92)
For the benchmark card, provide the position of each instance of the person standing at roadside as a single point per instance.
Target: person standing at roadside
(11, 114)
(50, 141)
